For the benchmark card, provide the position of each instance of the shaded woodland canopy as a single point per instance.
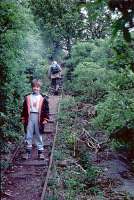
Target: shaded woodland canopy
(82, 34)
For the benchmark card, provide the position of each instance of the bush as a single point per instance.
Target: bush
(89, 83)
(117, 109)
(21, 56)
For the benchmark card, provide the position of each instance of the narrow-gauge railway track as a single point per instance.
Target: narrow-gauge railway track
(27, 179)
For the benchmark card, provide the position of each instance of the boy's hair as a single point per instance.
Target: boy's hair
(36, 82)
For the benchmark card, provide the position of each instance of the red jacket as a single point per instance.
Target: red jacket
(43, 110)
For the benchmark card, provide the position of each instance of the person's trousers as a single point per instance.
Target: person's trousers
(55, 83)
(33, 131)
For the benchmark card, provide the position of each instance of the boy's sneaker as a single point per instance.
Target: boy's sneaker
(56, 93)
(41, 156)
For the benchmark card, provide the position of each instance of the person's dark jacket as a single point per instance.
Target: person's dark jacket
(43, 111)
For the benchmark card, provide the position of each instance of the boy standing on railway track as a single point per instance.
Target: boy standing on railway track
(34, 115)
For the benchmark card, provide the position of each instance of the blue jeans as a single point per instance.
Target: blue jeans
(33, 131)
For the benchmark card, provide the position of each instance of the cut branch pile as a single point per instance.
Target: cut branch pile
(89, 140)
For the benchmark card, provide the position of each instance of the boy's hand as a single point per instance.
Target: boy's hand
(45, 121)
(23, 120)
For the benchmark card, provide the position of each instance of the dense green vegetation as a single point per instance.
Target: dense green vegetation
(102, 76)
(94, 40)
(22, 58)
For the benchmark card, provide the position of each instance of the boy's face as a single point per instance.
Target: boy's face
(36, 89)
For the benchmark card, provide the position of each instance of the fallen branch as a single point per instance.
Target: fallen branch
(81, 167)
(86, 143)
(93, 141)
(84, 130)
(8, 194)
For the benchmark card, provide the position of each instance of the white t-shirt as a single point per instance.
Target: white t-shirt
(34, 102)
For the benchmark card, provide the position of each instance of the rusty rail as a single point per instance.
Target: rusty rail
(51, 159)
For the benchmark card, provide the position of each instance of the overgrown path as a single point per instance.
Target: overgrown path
(85, 165)
(25, 179)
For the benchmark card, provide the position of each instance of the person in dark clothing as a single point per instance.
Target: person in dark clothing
(35, 114)
(54, 74)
